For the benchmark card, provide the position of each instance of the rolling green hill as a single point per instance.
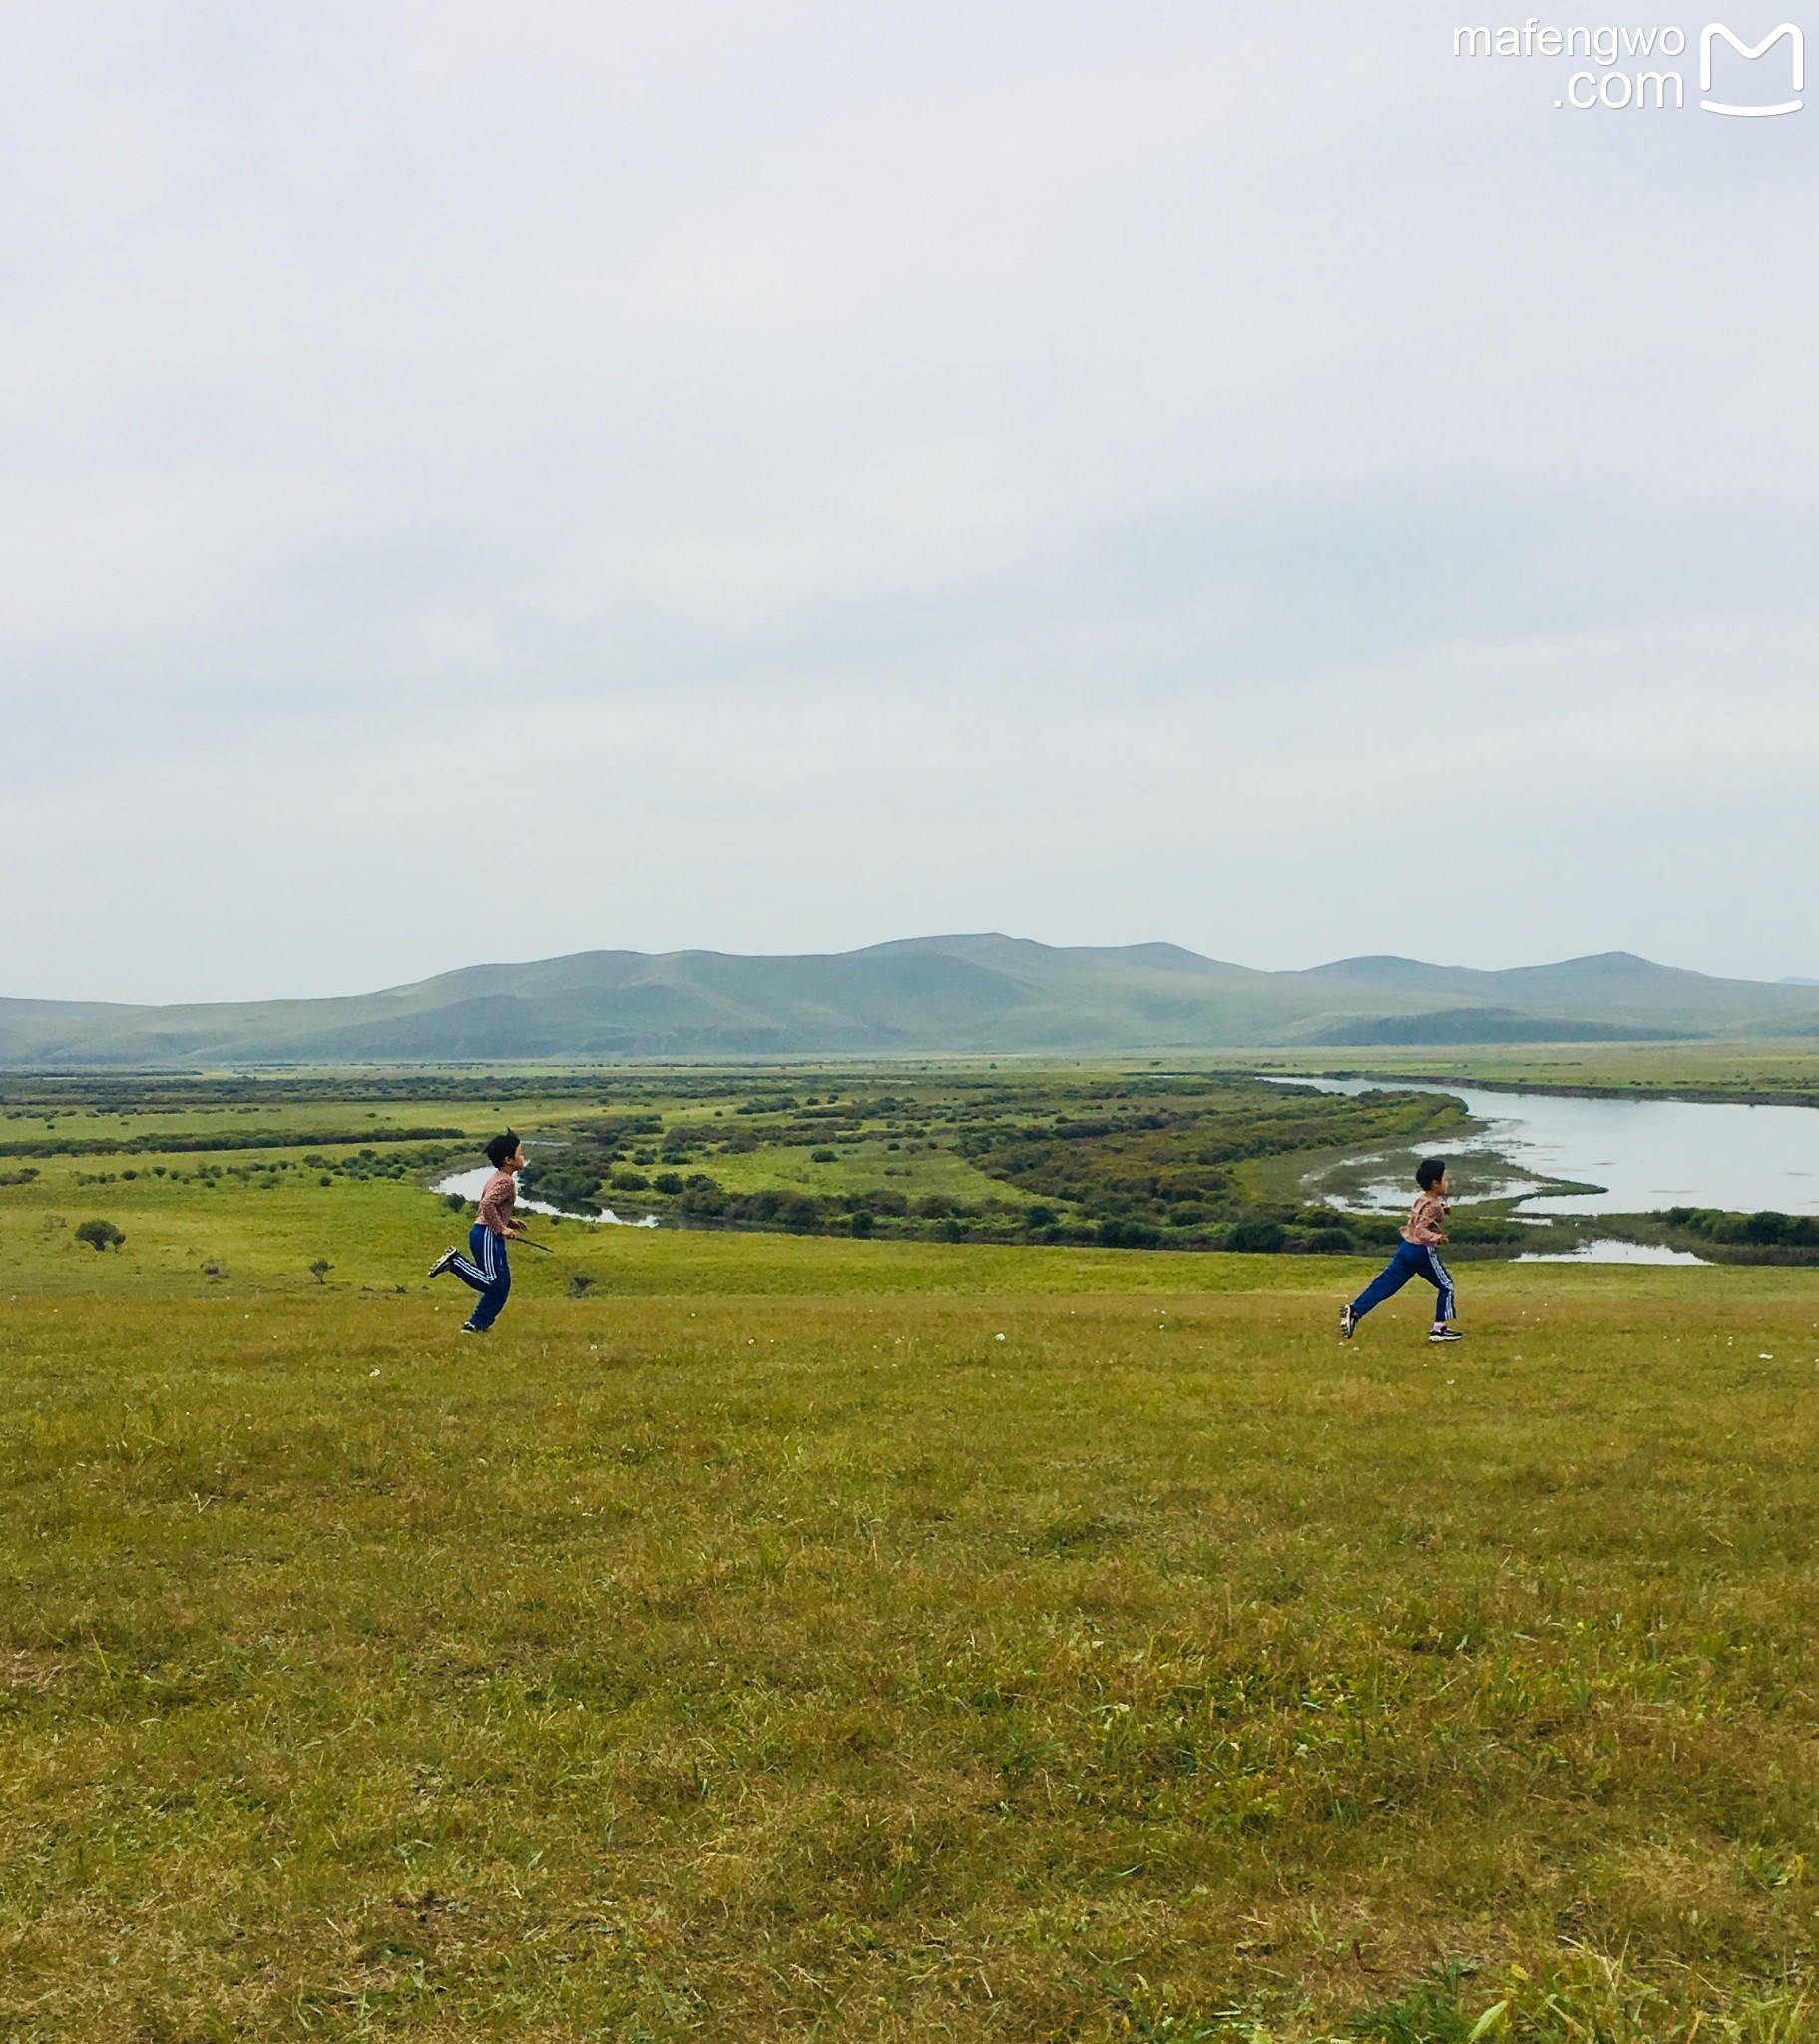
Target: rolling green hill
(956, 995)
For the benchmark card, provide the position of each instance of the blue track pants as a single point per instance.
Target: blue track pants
(1412, 1260)
(486, 1270)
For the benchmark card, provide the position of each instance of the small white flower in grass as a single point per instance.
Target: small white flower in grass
(1765, 1359)
(372, 1373)
(997, 1337)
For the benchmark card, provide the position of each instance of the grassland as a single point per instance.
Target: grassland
(823, 1638)
(1712, 1071)
(1125, 1158)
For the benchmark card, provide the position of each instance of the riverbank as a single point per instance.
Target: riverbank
(1743, 1075)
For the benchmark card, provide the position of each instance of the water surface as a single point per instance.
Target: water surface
(1610, 1249)
(1643, 1154)
(471, 1183)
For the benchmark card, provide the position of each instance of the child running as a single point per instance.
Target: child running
(1419, 1256)
(485, 1267)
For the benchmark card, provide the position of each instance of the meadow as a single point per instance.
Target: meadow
(1776, 1071)
(800, 1636)
(1127, 1159)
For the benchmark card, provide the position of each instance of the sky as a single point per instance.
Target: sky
(481, 483)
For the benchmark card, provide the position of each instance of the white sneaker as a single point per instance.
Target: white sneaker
(442, 1262)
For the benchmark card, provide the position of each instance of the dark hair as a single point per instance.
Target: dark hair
(501, 1147)
(1429, 1172)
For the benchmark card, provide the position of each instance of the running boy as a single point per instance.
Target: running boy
(485, 1267)
(1419, 1256)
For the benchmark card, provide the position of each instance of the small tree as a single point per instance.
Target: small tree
(321, 1268)
(100, 1235)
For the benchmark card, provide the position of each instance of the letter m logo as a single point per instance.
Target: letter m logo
(1797, 42)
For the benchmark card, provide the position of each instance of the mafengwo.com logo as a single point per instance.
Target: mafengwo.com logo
(1625, 69)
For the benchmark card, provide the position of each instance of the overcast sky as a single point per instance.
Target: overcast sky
(489, 481)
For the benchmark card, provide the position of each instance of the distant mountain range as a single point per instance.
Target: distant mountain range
(928, 994)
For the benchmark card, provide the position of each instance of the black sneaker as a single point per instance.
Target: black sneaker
(442, 1262)
(1441, 1335)
(1348, 1324)
(464, 1328)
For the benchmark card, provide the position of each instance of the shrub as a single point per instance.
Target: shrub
(1257, 1238)
(1121, 1234)
(666, 1182)
(823, 1156)
(1765, 1230)
(100, 1235)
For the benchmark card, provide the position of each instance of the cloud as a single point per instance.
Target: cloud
(805, 475)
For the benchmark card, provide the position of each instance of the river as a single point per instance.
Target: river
(1641, 1154)
(469, 1185)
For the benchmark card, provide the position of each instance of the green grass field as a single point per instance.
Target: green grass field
(1763, 1071)
(815, 1638)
